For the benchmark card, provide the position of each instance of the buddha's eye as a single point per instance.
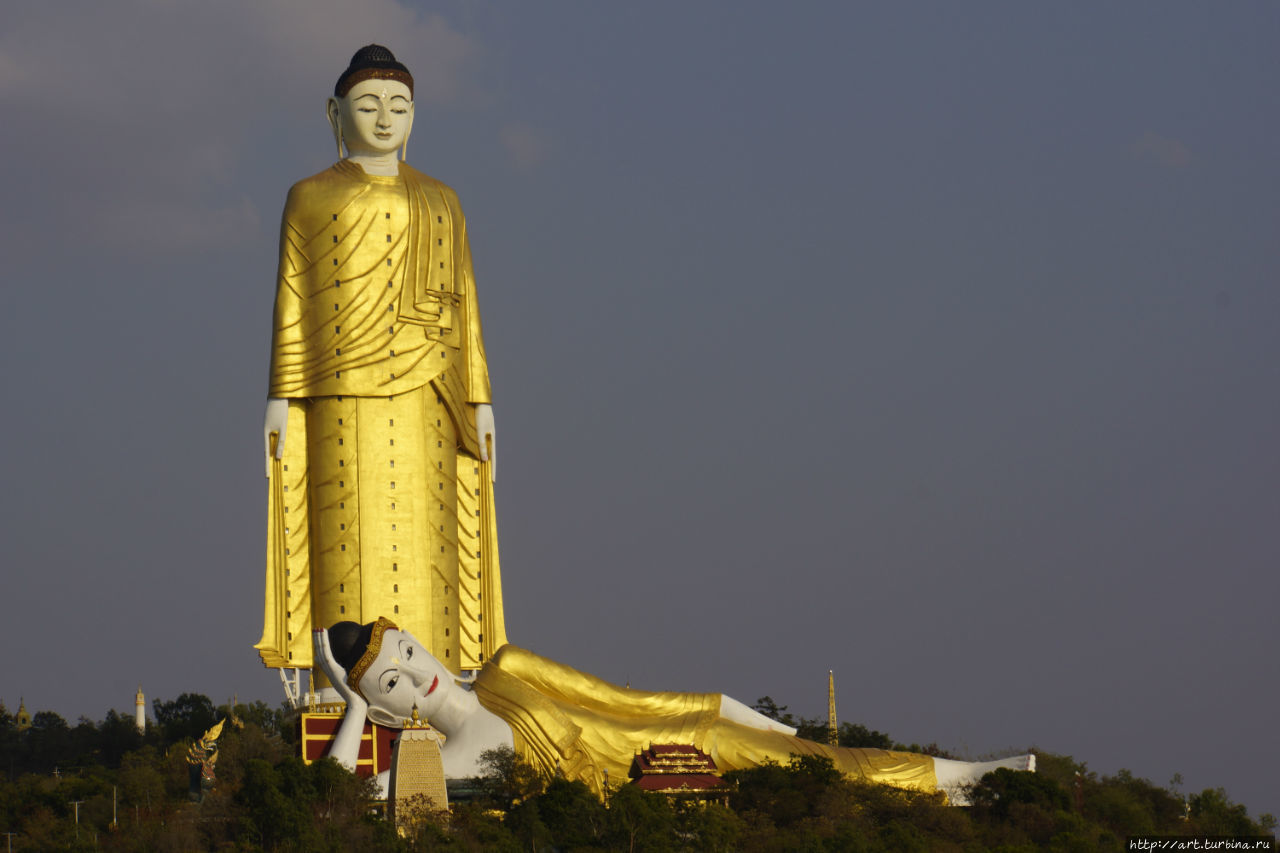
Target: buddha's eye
(408, 652)
(391, 684)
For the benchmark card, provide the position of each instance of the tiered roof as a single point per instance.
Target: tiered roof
(677, 768)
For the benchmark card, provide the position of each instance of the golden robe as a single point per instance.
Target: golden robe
(576, 724)
(380, 505)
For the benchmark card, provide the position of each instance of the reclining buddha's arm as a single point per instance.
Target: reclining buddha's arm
(346, 745)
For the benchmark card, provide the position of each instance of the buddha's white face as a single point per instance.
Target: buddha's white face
(402, 676)
(376, 116)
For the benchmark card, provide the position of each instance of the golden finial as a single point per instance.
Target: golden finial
(215, 732)
(833, 729)
(415, 721)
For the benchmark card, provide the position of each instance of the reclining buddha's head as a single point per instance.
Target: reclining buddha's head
(391, 670)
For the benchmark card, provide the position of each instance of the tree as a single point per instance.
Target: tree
(574, 817)
(271, 720)
(787, 794)
(1213, 813)
(639, 820)
(187, 717)
(48, 743)
(506, 779)
(316, 807)
(1002, 787)
(117, 735)
(141, 780)
(765, 705)
(709, 827)
(848, 734)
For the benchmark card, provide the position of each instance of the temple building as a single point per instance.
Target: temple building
(679, 770)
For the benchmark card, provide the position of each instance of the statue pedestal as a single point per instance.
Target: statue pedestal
(317, 730)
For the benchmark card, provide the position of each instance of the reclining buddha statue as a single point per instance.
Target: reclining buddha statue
(567, 722)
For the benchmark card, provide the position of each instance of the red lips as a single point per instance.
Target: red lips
(435, 682)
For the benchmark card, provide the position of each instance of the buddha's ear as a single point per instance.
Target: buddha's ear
(384, 718)
(404, 146)
(335, 121)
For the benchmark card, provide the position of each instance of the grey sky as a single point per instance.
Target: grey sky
(935, 344)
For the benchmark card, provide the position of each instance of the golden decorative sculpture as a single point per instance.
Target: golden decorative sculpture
(202, 757)
(379, 433)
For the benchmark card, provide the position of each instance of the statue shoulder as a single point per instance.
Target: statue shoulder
(423, 178)
(319, 188)
(508, 652)
(434, 184)
(525, 665)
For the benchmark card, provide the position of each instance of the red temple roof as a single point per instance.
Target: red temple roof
(675, 768)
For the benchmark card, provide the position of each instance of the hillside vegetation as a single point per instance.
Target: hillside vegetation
(267, 799)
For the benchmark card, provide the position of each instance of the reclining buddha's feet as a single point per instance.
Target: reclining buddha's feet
(956, 777)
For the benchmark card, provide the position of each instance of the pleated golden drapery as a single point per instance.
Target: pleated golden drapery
(568, 722)
(380, 505)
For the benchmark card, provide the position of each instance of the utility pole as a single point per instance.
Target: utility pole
(77, 803)
(10, 836)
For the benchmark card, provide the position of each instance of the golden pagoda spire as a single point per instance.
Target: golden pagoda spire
(833, 729)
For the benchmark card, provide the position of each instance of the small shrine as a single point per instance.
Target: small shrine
(23, 719)
(679, 770)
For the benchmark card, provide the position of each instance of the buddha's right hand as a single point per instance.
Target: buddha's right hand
(275, 423)
(323, 655)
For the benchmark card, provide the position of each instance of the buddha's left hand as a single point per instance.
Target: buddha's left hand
(487, 438)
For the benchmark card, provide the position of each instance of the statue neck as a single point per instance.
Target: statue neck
(459, 708)
(385, 165)
(469, 729)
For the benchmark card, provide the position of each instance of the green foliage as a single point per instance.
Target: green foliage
(1001, 789)
(849, 734)
(470, 826)
(506, 779)
(785, 795)
(709, 827)
(318, 807)
(638, 820)
(273, 722)
(268, 799)
(1129, 805)
(188, 716)
(118, 735)
(567, 812)
(1213, 813)
(48, 744)
(765, 705)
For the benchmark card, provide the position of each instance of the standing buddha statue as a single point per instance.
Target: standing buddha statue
(379, 433)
